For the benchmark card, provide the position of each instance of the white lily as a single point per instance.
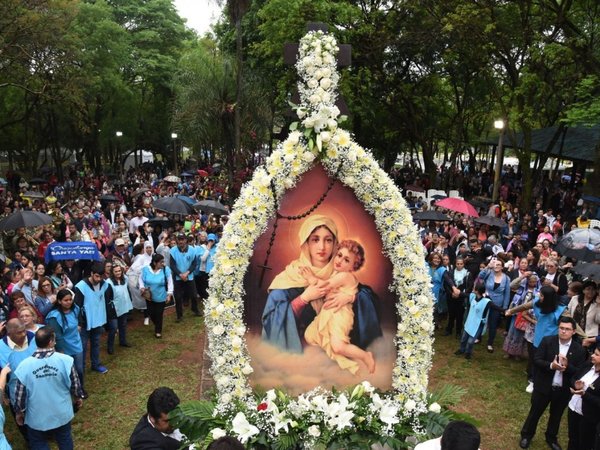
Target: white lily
(242, 428)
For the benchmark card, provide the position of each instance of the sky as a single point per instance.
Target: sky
(200, 14)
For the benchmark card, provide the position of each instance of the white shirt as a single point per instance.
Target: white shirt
(588, 379)
(563, 349)
(136, 222)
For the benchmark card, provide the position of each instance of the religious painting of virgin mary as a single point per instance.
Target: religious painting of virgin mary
(318, 308)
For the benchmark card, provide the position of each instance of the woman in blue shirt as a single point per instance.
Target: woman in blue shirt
(64, 318)
(157, 279)
(117, 316)
(497, 286)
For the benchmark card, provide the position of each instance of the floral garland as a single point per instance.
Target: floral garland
(318, 136)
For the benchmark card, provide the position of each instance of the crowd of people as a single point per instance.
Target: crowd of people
(506, 282)
(512, 281)
(54, 308)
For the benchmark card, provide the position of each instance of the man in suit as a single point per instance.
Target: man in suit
(556, 360)
(153, 431)
(584, 407)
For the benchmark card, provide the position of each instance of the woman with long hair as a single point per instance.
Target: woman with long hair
(45, 297)
(585, 309)
(497, 285)
(117, 316)
(158, 281)
(64, 318)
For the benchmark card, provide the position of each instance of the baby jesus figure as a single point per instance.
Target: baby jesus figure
(331, 328)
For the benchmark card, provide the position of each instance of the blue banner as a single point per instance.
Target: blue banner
(72, 250)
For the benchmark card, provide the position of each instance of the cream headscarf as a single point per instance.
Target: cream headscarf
(290, 277)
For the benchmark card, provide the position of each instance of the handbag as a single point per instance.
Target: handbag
(147, 295)
(520, 322)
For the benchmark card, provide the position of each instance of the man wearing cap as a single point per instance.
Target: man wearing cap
(183, 264)
(120, 255)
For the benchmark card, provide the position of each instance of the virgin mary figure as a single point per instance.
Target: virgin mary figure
(288, 310)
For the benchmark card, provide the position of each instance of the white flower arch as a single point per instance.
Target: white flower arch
(318, 137)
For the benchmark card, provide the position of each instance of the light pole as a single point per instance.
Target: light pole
(174, 138)
(119, 134)
(499, 125)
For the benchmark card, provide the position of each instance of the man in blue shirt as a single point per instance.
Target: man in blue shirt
(45, 383)
(92, 295)
(183, 265)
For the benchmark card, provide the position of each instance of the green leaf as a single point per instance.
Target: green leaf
(293, 126)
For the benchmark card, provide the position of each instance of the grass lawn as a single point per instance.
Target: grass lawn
(495, 387)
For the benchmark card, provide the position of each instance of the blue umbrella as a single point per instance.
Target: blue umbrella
(188, 200)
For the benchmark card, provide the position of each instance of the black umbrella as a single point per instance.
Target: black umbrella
(173, 205)
(431, 215)
(109, 198)
(164, 222)
(588, 270)
(480, 202)
(591, 198)
(490, 220)
(24, 219)
(439, 196)
(140, 191)
(582, 244)
(38, 181)
(212, 207)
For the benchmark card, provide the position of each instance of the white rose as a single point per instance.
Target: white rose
(326, 97)
(410, 405)
(294, 137)
(308, 157)
(247, 369)
(325, 83)
(326, 72)
(331, 124)
(309, 122)
(288, 183)
(217, 433)
(368, 179)
(312, 83)
(325, 136)
(240, 330)
(300, 113)
(218, 330)
(236, 341)
(435, 408)
(314, 431)
(318, 74)
(314, 99)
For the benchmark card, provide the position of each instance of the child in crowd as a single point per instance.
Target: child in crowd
(476, 320)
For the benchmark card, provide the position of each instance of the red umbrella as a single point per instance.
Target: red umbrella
(202, 173)
(458, 205)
